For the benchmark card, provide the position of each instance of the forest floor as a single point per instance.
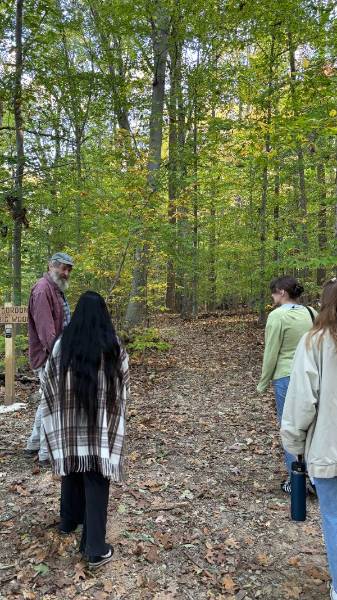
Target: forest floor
(201, 515)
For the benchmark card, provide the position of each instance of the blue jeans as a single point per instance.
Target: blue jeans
(280, 388)
(327, 495)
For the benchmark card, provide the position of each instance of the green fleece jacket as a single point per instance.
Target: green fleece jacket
(284, 329)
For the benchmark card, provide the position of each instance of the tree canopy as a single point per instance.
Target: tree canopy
(183, 153)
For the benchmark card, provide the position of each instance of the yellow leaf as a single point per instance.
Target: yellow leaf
(229, 583)
(333, 113)
(294, 561)
(28, 595)
(263, 559)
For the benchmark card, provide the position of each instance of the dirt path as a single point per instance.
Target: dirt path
(201, 516)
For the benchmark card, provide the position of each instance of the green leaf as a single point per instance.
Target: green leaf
(41, 569)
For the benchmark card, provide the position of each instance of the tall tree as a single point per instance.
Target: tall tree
(16, 201)
(175, 52)
(160, 22)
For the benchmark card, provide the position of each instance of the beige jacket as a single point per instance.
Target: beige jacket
(309, 422)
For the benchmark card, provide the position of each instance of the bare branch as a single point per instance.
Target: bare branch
(119, 270)
(40, 133)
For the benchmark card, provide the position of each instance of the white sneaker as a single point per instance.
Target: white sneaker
(333, 594)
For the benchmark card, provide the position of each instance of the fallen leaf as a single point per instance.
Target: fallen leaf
(215, 556)
(229, 584)
(316, 572)
(19, 489)
(232, 543)
(153, 485)
(143, 581)
(291, 591)
(263, 560)
(79, 572)
(164, 539)
(28, 595)
(108, 587)
(294, 561)
(139, 549)
(151, 554)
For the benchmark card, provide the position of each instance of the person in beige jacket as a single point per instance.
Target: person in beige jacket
(309, 422)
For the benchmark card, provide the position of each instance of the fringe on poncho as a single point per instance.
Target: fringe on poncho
(72, 447)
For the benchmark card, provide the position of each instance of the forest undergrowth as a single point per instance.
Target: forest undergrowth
(200, 515)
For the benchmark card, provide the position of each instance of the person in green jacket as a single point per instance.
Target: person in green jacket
(284, 329)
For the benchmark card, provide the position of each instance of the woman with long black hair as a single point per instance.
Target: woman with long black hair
(85, 389)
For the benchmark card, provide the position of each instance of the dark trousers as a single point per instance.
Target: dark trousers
(84, 499)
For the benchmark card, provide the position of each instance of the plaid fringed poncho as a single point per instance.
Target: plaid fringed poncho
(71, 446)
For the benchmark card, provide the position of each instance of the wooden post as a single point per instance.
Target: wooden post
(9, 361)
(11, 315)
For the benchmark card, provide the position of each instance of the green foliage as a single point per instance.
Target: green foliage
(240, 113)
(147, 339)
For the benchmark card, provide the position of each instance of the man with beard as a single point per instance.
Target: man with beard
(48, 314)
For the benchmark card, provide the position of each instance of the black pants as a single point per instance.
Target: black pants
(84, 499)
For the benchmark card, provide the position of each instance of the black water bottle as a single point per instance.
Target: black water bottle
(298, 490)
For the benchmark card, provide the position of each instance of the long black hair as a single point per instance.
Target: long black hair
(89, 339)
(288, 284)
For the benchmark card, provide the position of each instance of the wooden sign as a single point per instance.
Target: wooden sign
(13, 314)
(9, 316)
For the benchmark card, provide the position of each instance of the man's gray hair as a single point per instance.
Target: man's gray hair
(54, 263)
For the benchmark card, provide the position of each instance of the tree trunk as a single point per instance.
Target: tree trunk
(264, 193)
(277, 217)
(195, 257)
(252, 227)
(136, 310)
(77, 108)
(263, 237)
(160, 29)
(211, 300)
(116, 71)
(299, 150)
(211, 304)
(18, 211)
(183, 291)
(322, 220)
(78, 152)
(335, 220)
(175, 77)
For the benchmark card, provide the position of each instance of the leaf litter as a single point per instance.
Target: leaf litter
(201, 515)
